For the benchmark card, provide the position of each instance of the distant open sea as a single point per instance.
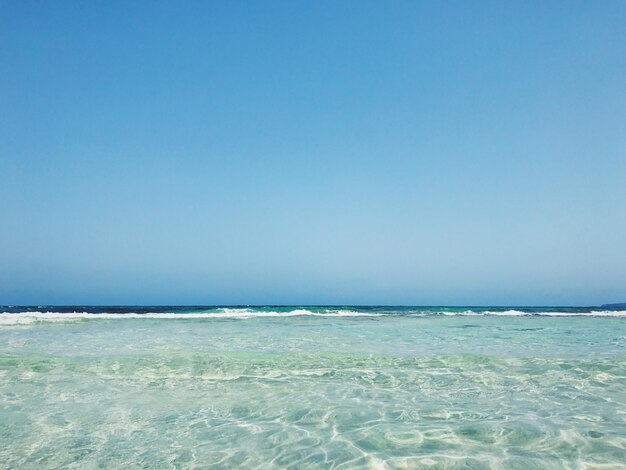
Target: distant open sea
(312, 387)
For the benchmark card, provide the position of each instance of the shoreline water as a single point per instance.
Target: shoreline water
(372, 390)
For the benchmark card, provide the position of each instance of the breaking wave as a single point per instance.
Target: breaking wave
(34, 317)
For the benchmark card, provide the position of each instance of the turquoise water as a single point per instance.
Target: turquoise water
(312, 388)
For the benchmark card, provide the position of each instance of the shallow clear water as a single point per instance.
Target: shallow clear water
(344, 388)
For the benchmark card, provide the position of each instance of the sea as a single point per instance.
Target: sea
(302, 387)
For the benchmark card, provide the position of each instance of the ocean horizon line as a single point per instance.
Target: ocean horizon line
(317, 305)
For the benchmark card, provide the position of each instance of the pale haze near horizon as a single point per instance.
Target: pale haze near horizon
(425, 153)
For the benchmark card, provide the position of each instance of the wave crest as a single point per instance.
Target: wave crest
(30, 318)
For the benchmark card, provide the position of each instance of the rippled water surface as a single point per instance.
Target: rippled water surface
(359, 389)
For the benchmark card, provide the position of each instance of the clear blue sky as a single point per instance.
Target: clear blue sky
(388, 152)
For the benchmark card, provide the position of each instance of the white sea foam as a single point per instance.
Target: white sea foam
(602, 313)
(514, 313)
(250, 313)
(519, 313)
(30, 318)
